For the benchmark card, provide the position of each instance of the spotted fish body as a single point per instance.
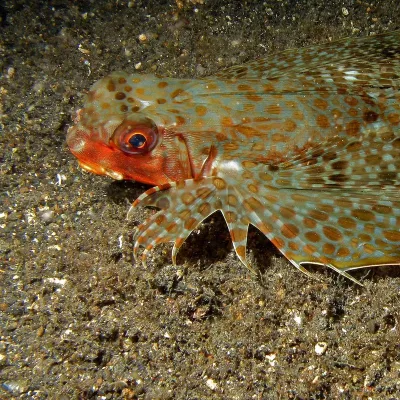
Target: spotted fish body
(305, 146)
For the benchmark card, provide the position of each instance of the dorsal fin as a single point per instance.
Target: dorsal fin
(354, 53)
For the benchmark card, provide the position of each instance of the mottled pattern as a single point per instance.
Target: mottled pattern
(304, 145)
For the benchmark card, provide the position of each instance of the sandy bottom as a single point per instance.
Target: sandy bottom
(78, 320)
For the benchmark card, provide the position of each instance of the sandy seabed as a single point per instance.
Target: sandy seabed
(78, 319)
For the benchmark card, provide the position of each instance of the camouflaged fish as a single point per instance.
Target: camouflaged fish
(304, 145)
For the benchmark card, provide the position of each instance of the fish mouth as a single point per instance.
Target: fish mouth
(77, 143)
(99, 170)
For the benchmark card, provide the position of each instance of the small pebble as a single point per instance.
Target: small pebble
(211, 384)
(320, 348)
(143, 37)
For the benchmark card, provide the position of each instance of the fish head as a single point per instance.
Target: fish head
(122, 132)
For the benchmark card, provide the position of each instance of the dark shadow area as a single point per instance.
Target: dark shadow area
(125, 192)
(207, 244)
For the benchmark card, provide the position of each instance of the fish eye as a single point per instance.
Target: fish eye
(137, 140)
(136, 136)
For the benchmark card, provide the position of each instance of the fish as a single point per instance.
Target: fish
(304, 145)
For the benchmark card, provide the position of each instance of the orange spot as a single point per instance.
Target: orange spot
(252, 188)
(289, 125)
(212, 86)
(180, 120)
(322, 121)
(370, 116)
(268, 87)
(184, 215)
(187, 198)
(369, 248)
(238, 235)
(265, 177)
(161, 101)
(249, 164)
(203, 192)
(120, 95)
(248, 107)
(364, 237)
(328, 248)
(201, 111)
(326, 208)
(309, 249)
(347, 223)
(370, 228)
(127, 88)
(351, 101)
(111, 86)
(121, 80)
(353, 128)
(374, 159)
(172, 228)
(247, 131)
(199, 123)
(176, 93)
(381, 209)
(247, 174)
(271, 198)
(160, 220)
(343, 252)
(394, 119)
(278, 242)
(258, 147)
(204, 209)
(309, 223)
(354, 146)
(274, 109)
(252, 204)
(162, 84)
(279, 138)
(321, 104)
(300, 198)
(245, 88)
(124, 108)
(294, 246)
(264, 228)
(352, 112)
(232, 200)
(290, 231)
(191, 224)
(105, 106)
(363, 215)
(343, 203)
(230, 146)
(312, 236)
(219, 183)
(332, 233)
(393, 236)
(221, 137)
(336, 113)
(230, 216)
(179, 242)
(139, 91)
(318, 215)
(287, 212)
(241, 251)
(298, 115)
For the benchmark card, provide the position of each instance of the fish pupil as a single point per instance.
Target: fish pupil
(137, 140)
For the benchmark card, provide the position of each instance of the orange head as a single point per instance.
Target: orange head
(125, 131)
